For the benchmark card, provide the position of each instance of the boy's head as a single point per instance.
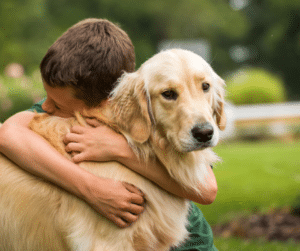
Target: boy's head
(89, 57)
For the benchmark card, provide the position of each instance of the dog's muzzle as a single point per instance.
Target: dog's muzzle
(203, 132)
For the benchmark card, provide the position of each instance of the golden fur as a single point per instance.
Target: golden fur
(36, 215)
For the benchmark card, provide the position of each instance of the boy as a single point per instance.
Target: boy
(79, 71)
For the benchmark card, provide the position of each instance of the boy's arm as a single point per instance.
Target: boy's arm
(117, 201)
(155, 171)
(103, 144)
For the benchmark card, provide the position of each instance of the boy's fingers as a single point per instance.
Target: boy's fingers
(128, 217)
(93, 122)
(119, 221)
(133, 189)
(73, 147)
(78, 129)
(137, 196)
(71, 137)
(77, 158)
(136, 209)
(137, 199)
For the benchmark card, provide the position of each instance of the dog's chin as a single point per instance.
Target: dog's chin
(200, 146)
(195, 146)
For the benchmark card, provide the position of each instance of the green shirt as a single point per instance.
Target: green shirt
(201, 235)
(37, 107)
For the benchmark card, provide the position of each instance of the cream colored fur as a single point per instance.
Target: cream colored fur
(36, 215)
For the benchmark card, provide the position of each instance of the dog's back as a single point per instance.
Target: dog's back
(36, 215)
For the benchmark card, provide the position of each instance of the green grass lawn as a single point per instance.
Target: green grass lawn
(234, 244)
(253, 177)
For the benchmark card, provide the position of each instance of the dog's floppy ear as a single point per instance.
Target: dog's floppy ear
(130, 107)
(219, 111)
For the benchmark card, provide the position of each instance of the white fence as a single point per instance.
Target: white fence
(278, 119)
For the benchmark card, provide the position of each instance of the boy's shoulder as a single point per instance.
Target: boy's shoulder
(37, 107)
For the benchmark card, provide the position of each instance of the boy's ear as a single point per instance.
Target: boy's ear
(219, 110)
(130, 108)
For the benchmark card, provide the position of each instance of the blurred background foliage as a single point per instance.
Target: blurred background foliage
(19, 93)
(262, 33)
(29, 27)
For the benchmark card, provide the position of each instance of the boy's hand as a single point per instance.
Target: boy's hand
(120, 202)
(96, 143)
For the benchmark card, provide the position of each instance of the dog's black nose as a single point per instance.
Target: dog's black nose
(203, 132)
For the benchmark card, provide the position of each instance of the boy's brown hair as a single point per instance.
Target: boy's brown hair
(89, 57)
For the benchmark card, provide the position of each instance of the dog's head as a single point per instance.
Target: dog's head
(177, 94)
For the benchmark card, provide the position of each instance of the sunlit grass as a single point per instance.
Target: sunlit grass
(254, 176)
(235, 244)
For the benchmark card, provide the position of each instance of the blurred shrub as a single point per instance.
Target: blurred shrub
(18, 94)
(255, 86)
(296, 206)
(296, 132)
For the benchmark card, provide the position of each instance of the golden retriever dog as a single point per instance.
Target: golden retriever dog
(170, 109)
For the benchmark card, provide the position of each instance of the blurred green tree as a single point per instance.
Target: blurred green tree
(273, 41)
(262, 33)
(29, 27)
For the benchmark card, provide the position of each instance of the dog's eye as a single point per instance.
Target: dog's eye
(205, 87)
(171, 95)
